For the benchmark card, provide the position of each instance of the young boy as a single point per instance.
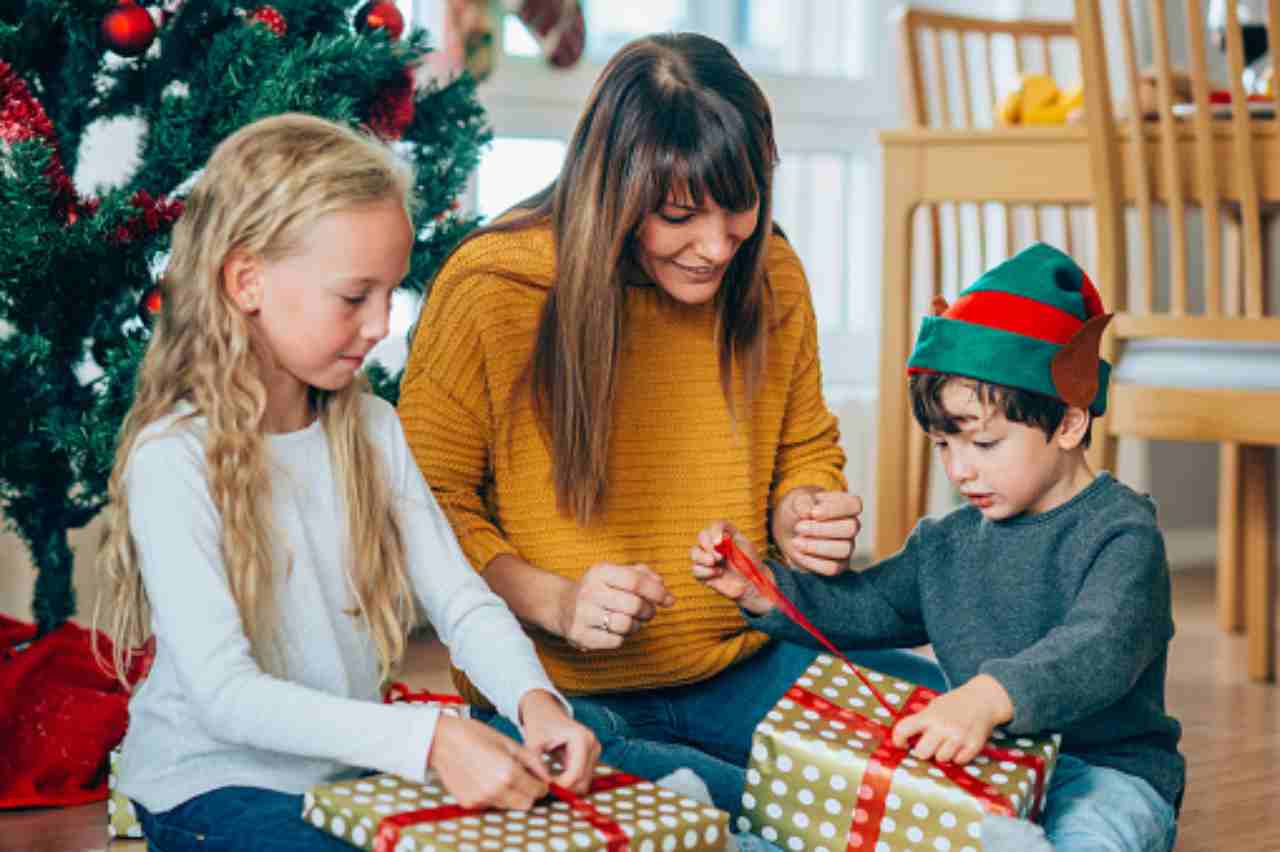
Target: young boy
(1047, 597)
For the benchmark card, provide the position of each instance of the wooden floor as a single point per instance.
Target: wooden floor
(1231, 738)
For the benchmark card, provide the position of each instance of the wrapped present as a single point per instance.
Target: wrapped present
(122, 820)
(824, 773)
(386, 813)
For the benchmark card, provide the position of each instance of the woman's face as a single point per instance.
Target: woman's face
(685, 249)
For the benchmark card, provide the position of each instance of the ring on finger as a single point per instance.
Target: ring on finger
(604, 622)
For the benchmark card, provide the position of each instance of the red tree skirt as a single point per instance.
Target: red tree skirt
(60, 716)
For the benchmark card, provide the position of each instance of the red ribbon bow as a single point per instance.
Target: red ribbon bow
(878, 777)
(389, 829)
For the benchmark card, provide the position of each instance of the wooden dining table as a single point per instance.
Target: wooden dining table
(1019, 166)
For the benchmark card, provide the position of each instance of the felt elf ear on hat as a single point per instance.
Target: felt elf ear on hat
(1034, 322)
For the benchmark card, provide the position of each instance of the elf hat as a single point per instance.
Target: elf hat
(1033, 322)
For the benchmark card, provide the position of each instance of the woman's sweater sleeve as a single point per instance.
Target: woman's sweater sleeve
(448, 419)
(809, 450)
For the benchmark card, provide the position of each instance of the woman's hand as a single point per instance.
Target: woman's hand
(709, 568)
(816, 530)
(610, 603)
(549, 729)
(483, 768)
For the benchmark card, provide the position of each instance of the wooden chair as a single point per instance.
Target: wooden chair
(954, 70)
(1166, 330)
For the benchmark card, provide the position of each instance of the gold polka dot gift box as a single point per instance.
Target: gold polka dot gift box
(122, 820)
(386, 813)
(825, 776)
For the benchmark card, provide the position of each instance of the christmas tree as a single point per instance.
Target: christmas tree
(78, 271)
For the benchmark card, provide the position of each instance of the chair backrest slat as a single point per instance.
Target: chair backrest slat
(1273, 20)
(992, 94)
(1206, 165)
(966, 93)
(1242, 143)
(1141, 169)
(944, 98)
(1170, 160)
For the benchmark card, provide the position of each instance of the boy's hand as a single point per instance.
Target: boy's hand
(957, 724)
(817, 530)
(710, 569)
(549, 729)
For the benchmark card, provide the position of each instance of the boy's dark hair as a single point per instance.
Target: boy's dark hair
(1017, 405)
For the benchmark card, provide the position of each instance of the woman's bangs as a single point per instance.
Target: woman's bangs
(699, 159)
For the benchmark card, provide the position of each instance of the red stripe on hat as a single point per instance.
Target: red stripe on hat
(1017, 314)
(1092, 301)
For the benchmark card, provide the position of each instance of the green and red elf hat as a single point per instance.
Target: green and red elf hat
(1034, 322)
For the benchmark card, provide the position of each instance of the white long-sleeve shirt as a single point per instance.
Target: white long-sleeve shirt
(207, 716)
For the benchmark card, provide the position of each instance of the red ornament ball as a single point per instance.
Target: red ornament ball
(381, 14)
(150, 303)
(128, 29)
(271, 18)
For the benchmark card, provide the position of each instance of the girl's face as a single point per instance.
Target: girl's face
(685, 249)
(320, 309)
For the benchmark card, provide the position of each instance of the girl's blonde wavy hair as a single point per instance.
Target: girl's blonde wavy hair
(263, 188)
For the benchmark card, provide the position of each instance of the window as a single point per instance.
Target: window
(514, 168)
(816, 37)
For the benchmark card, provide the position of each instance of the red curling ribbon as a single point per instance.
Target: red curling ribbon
(747, 568)
(399, 692)
(389, 829)
(878, 776)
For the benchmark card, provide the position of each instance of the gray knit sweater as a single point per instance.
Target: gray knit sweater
(1069, 610)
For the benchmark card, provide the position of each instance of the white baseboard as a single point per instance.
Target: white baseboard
(1189, 547)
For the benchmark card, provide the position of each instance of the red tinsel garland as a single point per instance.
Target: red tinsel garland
(23, 118)
(393, 111)
(156, 212)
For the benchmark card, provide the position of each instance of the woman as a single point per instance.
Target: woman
(626, 356)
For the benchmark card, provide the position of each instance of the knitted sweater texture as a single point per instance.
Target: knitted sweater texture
(677, 458)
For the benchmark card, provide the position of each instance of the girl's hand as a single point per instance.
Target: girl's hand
(610, 603)
(483, 768)
(548, 729)
(957, 724)
(710, 569)
(816, 530)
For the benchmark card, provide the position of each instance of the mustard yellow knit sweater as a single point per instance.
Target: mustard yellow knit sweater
(676, 459)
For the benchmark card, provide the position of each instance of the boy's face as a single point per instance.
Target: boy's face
(1004, 469)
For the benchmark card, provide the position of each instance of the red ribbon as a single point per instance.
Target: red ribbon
(878, 777)
(399, 692)
(747, 568)
(389, 829)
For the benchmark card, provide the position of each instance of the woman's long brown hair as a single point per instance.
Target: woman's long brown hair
(671, 113)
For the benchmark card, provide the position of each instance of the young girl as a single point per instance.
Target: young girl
(272, 531)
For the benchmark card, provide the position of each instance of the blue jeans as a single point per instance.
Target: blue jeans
(707, 726)
(1096, 809)
(235, 819)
